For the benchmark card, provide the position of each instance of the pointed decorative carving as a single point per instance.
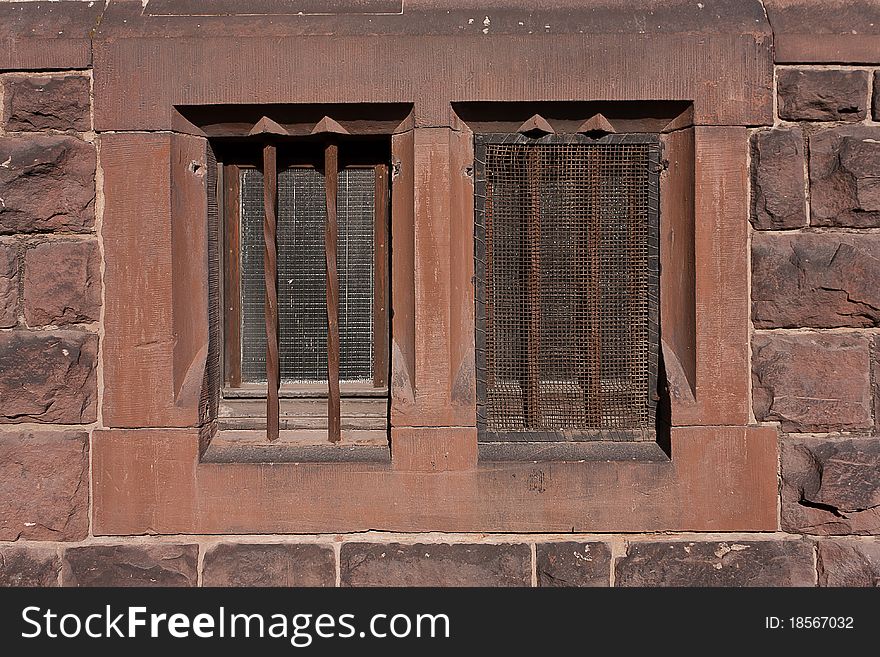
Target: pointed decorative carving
(537, 125)
(267, 126)
(328, 125)
(597, 124)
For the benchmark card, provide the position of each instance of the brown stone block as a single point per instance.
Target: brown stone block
(778, 193)
(151, 481)
(159, 564)
(844, 186)
(28, 566)
(9, 265)
(849, 563)
(48, 183)
(733, 563)
(435, 564)
(831, 486)
(812, 382)
(47, 103)
(155, 303)
(47, 35)
(822, 95)
(48, 376)
(62, 283)
(573, 564)
(815, 280)
(44, 484)
(276, 564)
(433, 449)
(846, 31)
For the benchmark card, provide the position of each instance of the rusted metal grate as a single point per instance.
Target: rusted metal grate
(567, 287)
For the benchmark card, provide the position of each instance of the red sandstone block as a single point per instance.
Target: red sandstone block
(440, 564)
(48, 183)
(831, 485)
(28, 566)
(277, 564)
(727, 563)
(158, 564)
(44, 485)
(844, 186)
(48, 376)
(62, 283)
(849, 563)
(812, 382)
(822, 95)
(778, 190)
(573, 564)
(59, 102)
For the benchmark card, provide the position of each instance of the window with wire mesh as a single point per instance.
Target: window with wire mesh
(362, 266)
(567, 287)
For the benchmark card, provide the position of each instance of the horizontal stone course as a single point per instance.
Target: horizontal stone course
(723, 563)
(57, 102)
(48, 184)
(822, 95)
(435, 564)
(44, 485)
(62, 283)
(278, 564)
(815, 280)
(158, 564)
(48, 376)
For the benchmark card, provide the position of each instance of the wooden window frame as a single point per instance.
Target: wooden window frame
(362, 408)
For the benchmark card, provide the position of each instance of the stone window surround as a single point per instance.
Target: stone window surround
(148, 475)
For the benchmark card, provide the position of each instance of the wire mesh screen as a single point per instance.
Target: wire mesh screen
(302, 279)
(567, 287)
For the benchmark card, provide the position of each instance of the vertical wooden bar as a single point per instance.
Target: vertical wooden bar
(380, 284)
(331, 183)
(532, 394)
(232, 280)
(273, 371)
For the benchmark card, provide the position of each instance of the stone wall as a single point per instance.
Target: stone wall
(815, 293)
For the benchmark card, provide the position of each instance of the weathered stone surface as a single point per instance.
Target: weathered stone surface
(733, 563)
(62, 283)
(822, 95)
(44, 485)
(29, 566)
(8, 285)
(47, 183)
(435, 564)
(844, 185)
(812, 382)
(778, 162)
(573, 564)
(831, 485)
(849, 563)
(158, 564)
(279, 564)
(59, 102)
(48, 376)
(817, 280)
